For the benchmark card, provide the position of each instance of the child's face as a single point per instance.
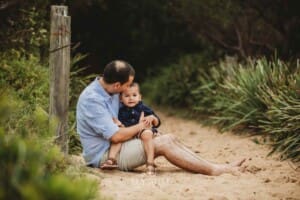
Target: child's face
(131, 96)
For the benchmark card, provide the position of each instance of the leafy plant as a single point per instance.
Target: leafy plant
(173, 87)
(29, 172)
(27, 83)
(259, 95)
(25, 26)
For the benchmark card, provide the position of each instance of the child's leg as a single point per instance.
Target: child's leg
(114, 150)
(111, 162)
(147, 137)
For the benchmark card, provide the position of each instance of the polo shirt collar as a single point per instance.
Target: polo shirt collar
(101, 91)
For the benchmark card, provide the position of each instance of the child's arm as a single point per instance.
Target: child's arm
(151, 117)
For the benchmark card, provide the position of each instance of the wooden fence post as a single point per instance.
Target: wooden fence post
(59, 64)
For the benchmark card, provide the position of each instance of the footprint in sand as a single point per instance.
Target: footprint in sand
(253, 169)
(288, 179)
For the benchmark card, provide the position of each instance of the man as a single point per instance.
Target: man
(97, 109)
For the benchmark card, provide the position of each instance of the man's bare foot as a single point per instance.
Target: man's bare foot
(234, 168)
(237, 163)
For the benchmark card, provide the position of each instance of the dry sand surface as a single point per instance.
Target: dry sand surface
(265, 177)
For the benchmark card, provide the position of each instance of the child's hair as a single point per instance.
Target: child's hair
(135, 84)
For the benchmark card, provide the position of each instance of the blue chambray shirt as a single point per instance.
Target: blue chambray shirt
(94, 113)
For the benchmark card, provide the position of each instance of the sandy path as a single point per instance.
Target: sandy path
(265, 177)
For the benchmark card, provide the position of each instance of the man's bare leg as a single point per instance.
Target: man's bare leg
(181, 156)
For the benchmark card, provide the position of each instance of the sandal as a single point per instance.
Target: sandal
(110, 163)
(150, 168)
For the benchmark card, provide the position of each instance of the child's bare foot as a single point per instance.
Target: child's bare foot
(110, 163)
(150, 168)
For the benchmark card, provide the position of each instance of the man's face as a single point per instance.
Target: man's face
(131, 96)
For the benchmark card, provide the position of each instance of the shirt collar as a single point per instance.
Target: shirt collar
(99, 89)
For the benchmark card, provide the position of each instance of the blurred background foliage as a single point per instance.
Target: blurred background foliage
(152, 34)
(233, 64)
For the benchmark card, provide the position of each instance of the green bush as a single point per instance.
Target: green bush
(27, 82)
(257, 95)
(32, 167)
(281, 120)
(30, 172)
(235, 102)
(260, 96)
(176, 82)
(25, 25)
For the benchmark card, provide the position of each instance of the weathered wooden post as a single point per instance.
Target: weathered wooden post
(59, 64)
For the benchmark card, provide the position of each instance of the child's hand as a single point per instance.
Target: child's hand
(151, 119)
(142, 117)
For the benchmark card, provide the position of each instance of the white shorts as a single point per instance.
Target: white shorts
(131, 155)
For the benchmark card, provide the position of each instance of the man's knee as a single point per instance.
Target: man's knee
(163, 144)
(165, 139)
(170, 137)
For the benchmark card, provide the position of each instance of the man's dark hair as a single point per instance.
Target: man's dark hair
(117, 71)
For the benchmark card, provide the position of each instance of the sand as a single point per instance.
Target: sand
(265, 177)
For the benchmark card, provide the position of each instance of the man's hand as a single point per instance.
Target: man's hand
(126, 133)
(116, 121)
(145, 123)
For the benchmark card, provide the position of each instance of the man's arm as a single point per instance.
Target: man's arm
(126, 133)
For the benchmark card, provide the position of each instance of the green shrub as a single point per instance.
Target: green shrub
(32, 167)
(257, 95)
(176, 82)
(27, 83)
(282, 118)
(30, 172)
(235, 98)
(25, 26)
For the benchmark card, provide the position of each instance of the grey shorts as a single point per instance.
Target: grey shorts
(131, 155)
